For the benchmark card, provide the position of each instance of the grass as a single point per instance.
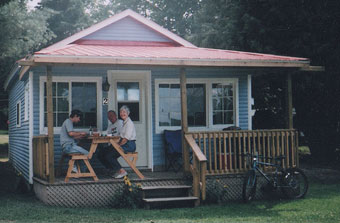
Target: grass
(321, 205)
(3, 146)
(304, 150)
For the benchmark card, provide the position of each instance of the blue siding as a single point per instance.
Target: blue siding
(127, 29)
(18, 136)
(156, 73)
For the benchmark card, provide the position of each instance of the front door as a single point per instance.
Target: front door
(131, 88)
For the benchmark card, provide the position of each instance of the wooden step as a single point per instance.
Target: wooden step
(167, 199)
(165, 187)
(165, 191)
(170, 202)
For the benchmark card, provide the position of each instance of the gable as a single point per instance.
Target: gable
(127, 29)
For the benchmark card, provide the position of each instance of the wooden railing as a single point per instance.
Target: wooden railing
(198, 168)
(41, 157)
(223, 150)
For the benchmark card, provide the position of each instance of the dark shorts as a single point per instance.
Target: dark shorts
(129, 146)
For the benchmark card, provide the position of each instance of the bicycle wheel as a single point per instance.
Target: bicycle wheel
(294, 183)
(249, 186)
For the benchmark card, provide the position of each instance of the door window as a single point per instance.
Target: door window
(128, 93)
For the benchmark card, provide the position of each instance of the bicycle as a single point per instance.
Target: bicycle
(292, 181)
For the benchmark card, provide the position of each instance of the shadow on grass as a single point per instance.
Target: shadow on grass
(4, 150)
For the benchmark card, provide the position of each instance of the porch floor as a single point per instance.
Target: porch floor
(107, 177)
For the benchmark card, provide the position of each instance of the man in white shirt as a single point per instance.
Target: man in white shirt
(107, 154)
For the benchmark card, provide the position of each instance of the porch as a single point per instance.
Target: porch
(215, 160)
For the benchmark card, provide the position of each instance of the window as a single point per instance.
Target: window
(18, 114)
(69, 95)
(223, 103)
(128, 94)
(170, 105)
(210, 103)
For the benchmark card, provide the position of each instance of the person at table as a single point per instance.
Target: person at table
(106, 153)
(127, 139)
(68, 136)
(115, 124)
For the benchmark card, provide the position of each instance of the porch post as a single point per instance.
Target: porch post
(289, 102)
(50, 124)
(184, 118)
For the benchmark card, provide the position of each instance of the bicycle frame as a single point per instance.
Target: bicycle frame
(255, 166)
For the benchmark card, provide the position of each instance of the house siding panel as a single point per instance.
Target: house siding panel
(18, 136)
(127, 29)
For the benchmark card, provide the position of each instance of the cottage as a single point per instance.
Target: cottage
(167, 82)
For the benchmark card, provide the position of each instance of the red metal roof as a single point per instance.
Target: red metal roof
(160, 52)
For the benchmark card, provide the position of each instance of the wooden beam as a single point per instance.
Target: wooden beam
(50, 123)
(289, 102)
(184, 118)
(38, 59)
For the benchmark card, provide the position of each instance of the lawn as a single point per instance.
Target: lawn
(321, 205)
(3, 146)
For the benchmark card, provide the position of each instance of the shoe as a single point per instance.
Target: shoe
(115, 175)
(74, 170)
(121, 175)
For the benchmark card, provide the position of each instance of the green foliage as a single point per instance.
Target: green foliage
(67, 17)
(217, 192)
(22, 32)
(128, 196)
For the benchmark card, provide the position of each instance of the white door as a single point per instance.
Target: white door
(132, 88)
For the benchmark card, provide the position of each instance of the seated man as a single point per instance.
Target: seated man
(68, 136)
(106, 154)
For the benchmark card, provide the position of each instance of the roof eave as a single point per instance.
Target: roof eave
(47, 59)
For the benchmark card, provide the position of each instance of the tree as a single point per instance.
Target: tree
(22, 32)
(297, 28)
(67, 17)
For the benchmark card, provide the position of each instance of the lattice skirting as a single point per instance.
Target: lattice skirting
(88, 194)
(229, 187)
(101, 193)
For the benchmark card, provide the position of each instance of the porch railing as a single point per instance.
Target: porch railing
(223, 150)
(41, 157)
(197, 168)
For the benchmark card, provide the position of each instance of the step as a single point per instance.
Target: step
(170, 202)
(167, 199)
(165, 191)
(165, 187)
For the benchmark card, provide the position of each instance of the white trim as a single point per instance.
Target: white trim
(26, 101)
(30, 126)
(250, 117)
(135, 75)
(208, 83)
(18, 119)
(70, 79)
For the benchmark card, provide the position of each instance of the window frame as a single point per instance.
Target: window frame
(69, 80)
(209, 102)
(27, 95)
(18, 114)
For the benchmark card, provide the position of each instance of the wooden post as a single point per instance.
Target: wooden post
(289, 102)
(50, 123)
(184, 118)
